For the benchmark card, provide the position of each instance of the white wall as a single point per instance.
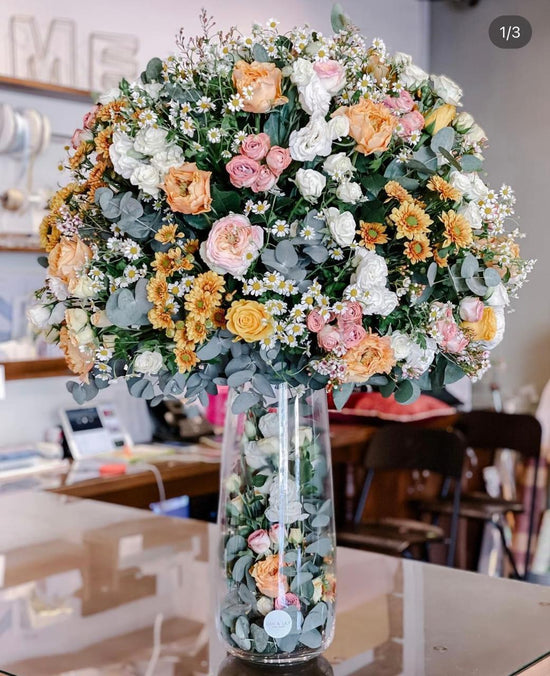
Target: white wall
(32, 405)
(507, 92)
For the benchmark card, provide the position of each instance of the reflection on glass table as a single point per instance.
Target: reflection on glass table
(92, 589)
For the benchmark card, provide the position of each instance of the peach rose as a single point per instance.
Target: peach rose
(67, 258)
(485, 328)
(269, 580)
(80, 361)
(471, 309)
(278, 159)
(187, 189)
(439, 118)
(233, 244)
(264, 80)
(370, 124)
(373, 355)
(243, 171)
(259, 541)
(315, 321)
(256, 146)
(331, 74)
(265, 180)
(249, 320)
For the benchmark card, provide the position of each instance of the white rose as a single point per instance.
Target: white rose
(269, 425)
(371, 272)
(288, 494)
(412, 76)
(109, 95)
(463, 122)
(233, 483)
(58, 313)
(338, 166)
(58, 288)
(312, 140)
(402, 59)
(295, 536)
(401, 345)
(148, 362)
(472, 213)
(314, 98)
(82, 287)
(258, 452)
(153, 89)
(147, 178)
(349, 192)
(338, 127)
(123, 162)
(168, 158)
(390, 302)
(310, 183)
(150, 140)
(302, 72)
(264, 605)
(498, 297)
(446, 89)
(501, 325)
(470, 185)
(379, 301)
(78, 325)
(342, 226)
(39, 316)
(478, 189)
(475, 135)
(420, 359)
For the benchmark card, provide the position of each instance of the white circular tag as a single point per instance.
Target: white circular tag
(277, 623)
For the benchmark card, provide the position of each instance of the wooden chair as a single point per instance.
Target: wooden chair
(399, 447)
(493, 431)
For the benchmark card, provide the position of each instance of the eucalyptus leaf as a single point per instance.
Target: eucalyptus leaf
(286, 254)
(242, 627)
(240, 378)
(471, 163)
(259, 53)
(260, 637)
(225, 201)
(272, 127)
(476, 285)
(469, 267)
(311, 639)
(322, 547)
(154, 69)
(288, 644)
(316, 617)
(419, 167)
(143, 389)
(432, 273)
(320, 521)
(341, 393)
(125, 308)
(210, 350)
(338, 18)
(453, 372)
(242, 643)
(262, 385)
(317, 253)
(491, 277)
(299, 580)
(443, 139)
(450, 158)
(407, 392)
(234, 545)
(244, 401)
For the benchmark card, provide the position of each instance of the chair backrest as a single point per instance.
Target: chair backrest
(395, 447)
(492, 430)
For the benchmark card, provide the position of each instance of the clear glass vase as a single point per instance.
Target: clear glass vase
(276, 587)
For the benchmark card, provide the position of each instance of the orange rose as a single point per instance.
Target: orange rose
(79, 359)
(370, 124)
(67, 257)
(269, 580)
(439, 117)
(188, 189)
(264, 80)
(485, 328)
(373, 355)
(249, 320)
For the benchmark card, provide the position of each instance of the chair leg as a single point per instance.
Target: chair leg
(507, 551)
(534, 492)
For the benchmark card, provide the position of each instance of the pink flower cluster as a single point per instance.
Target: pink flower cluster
(448, 334)
(346, 333)
(246, 169)
(260, 540)
(411, 119)
(85, 134)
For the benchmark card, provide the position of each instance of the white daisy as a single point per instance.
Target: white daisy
(280, 228)
(337, 254)
(204, 104)
(260, 207)
(131, 250)
(235, 103)
(214, 135)
(104, 354)
(276, 307)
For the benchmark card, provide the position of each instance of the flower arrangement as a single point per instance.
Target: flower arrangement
(271, 208)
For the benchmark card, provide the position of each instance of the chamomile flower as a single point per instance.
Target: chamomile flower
(260, 207)
(307, 232)
(104, 354)
(197, 147)
(290, 339)
(308, 300)
(272, 279)
(186, 283)
(276, 307)
(96, 274)
(336, 254)
(338, 307)
(239, 137)
(280, 228)
(297, 313)
(131, 250)
(147, 117)
(315, 288)
(131, 273)
(353, 292)
(116, 230)
(235, 103)
(204, 104)
(113, 244)
(187, 126)
(185, 108)
(268, 342)
(214, 135)
(254, 287)
(226, 155)
(176, 289)
(414, 137)
(272, 24)
(248, 207)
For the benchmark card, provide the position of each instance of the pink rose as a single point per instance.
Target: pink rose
(328, 338)
(471, 309)
(274, 533)
(403, 103)
(351, 314)
(265, 180)
(259, 541)
(410, 122)
(451, 338)
(331, 74)
(256, 146)
(289, 599)
(278, 159)
(315, 321)
(76, 138)
(457, 343)
(232, 245)
(353, 335)
(242, 171)
(89, 118)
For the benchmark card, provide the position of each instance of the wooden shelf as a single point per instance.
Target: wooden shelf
(17, 243)
(45, 89)
(36, 368)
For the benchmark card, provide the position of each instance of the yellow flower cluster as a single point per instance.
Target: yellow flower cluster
(49, 233)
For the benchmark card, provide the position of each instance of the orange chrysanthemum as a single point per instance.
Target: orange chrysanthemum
(167, 234)
(373, 355)
(445, 189)
(441, 261)
(199, 304)
(196, 330)
(157, 290)
(418, 250)
(191, 246)
(210, 282)
(397, 191)
(372, 234)
(186, 359)
(410, 220)
(217, 317)
(457, 229)
(163, 264)
(103, 142)
(161, 318)
(79, 155)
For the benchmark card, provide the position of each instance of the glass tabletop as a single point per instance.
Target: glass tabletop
(92, 589)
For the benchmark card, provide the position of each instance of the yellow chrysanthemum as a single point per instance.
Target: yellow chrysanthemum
(186, 359)
(79, 155)
(445, 189)
(396, 191)
(49, 234)
(372, 234)
(191, 246)
(441, 261)
(457, 229)
(196, 330)
(103, 142)
(217, 317)
(210, 282)
(417, 250)
(163, 264)
(167, 234)
(157, 290)
(161, 318)
(410, 220)
(199, 304)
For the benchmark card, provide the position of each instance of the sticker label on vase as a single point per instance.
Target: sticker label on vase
(277, 624)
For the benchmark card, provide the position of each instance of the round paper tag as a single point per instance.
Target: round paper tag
(277, 623)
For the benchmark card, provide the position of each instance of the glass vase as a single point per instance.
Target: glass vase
(276, 587)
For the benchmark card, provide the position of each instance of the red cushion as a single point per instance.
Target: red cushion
(374, 405)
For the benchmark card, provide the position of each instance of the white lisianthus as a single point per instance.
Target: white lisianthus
(269, 425)
(463, 122)
(472, 213)
(501, 325)
(147, 178)
(338, 127)
(148, 362)
(39, 316)
(371, 271)
(341, 225)
(497, 297)
(109, 96)
(78, 325)
(401, 345)
(402, 59)
(284, 503)
(310, 183)
(58, 313)
(312, 140)
(150, 140)
(164, 160)
(470, 185)
(82, 287)
(313, 97)
(338, 166)
(120, 152)
(302, 72)
(58, 288)
(447, 89)
(475, 135)
(379, 301)
(412, 76)
(420, 358)
(349, 192)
